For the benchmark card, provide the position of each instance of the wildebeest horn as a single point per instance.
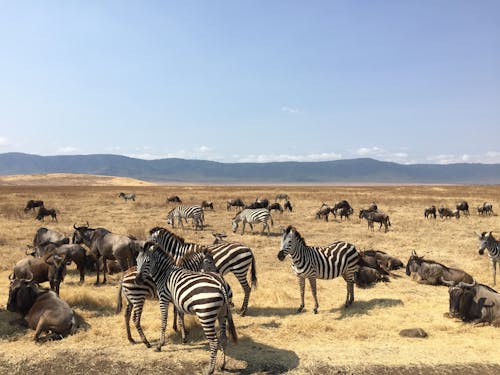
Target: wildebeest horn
(12, 276)
(31, 278)
(413, 252)
(32, 252)
(74, 226)
(462, 284)
(446, 282)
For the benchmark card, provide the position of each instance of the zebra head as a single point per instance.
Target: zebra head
(144, 262)
(484, 238)
(234, 223)
(154, 233)
(289, 237)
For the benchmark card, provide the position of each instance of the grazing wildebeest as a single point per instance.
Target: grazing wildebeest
(464, 207)
(377, 217)
(50, 267)
(207, 205)
(42, 309)
(430, 212)
(127, 196)
(275, 206)
(44, 235)
(282, 196)
(237, 202)
(474, 302)
(346, 212)
(287, 206)
(445, 213)
(174, 199)
(103, 243)
(324, 211)
(487, 241)
(32, 204)
(433, 273)
(259, 203)
(485, 209)
(42, 212)
(339, 205)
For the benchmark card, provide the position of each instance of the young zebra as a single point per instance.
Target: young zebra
(252, 216)
(487, 241)
(312, 262)
(185, 212)
(195, 293)
(228, 256)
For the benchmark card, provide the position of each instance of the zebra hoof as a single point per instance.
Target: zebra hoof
(315, 311)
(243, 312)
(158, 349)
(299, 310)
(148, 345)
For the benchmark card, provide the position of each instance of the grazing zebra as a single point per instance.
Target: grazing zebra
(185, 212)
(487, 241)
(312, 262)
(126, 197)
(196, 293)
(228, 256)
(252, 216)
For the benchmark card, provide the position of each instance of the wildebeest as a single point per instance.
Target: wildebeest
(288, 206)
(259, 203)
(282, 196)
(41, 308)
(237, 202)
(380, 259)
(32, 204)
(445, 213)
(207, 205)
(127, 196)
(375, 216)
(346, 212)
(474, 302)
(42, 212)
(50, 267)
(430, 212)
(275, 206)
(487, 241)
(103, 243)
(367, 276)
(464, 207)
(44, 235)
(434, 273)
(323, 211)
(485, 209)
(174, 199)
(340, 205)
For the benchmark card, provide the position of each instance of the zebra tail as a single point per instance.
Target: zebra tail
(253, 273)
(119, 300)
(230, 324)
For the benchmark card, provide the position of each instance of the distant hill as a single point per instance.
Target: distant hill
(181, 170)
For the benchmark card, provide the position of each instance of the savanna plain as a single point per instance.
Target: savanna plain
(272, 337)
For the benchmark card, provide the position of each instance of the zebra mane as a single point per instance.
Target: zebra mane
(172, 234)
(157, 249)
(191, 253)
(297, 234)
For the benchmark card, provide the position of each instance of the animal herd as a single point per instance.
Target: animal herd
(191, 275)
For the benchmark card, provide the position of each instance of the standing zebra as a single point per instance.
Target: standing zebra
(252, 216)
(185, 212)
(195, 293)
(228, 256)
(487, 241)
(312, 262)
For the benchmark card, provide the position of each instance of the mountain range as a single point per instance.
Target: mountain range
(363, 170)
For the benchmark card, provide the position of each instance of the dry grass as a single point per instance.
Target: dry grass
(273, 339)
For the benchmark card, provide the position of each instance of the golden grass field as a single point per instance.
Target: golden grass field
(273, 338)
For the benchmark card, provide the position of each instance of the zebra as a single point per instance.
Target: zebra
(312, 262)
(195, 293)
(126, 197)
(228, 256)
(184, 212)
(252, 216)
(487, 241)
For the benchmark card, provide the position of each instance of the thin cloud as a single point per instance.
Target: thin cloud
(67, 149)
(204, 149)
(265, 158)
(490, 157)
(290, 110)
(381, 154)
(4, 141)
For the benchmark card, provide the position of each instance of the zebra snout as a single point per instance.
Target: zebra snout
(281, 255)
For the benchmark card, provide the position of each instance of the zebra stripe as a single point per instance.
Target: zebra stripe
(252, 216)
(487, 241)
(185, 212)
(228, 257)
(312, 262)
(195, 293)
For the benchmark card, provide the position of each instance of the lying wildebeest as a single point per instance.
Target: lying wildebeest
(339, 205)
(346, 212)
(174, 199)
(42, 212)
(379, 259)
(377, 217)
(41, 309)
(237, 202)
(103, 243)
(287, 206)
(434, 273)
(474, 302)
(275, 206)
(50, 267)
(324, 211)
(127, 196)
(32, 204)
(259, 203)
(463, 206)
(207, 205)
(445, 213)
(282, 196)
(430, 212)
(367, 276)
(485, 209)
(44, 235)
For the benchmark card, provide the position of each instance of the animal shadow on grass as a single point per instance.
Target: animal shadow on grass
(270, 311)
(362, 307)
(261, 358)
(10, 325)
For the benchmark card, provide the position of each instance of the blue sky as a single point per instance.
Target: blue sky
(233, 81)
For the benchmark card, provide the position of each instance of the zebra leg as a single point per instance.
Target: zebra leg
(222, 336)
(136, 317)
(243, 227)
(174, 319)
(494, 266)
(181, 325)
(164, 314)
(302, 286)
(211, 335)
(246, 290)
(350, 293)
(128, 312)
(312, 282)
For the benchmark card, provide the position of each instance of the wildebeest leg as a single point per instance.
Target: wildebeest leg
(164, 314)
(174, 319)
(104, 269)
(40, 327)
(302, 287)
(312, 283)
